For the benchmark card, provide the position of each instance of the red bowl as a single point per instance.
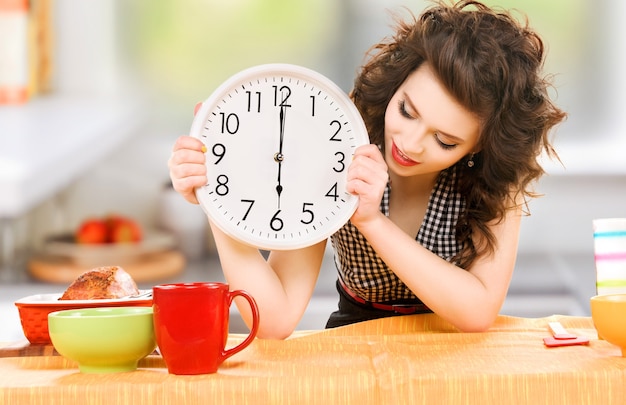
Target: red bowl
(34, 311)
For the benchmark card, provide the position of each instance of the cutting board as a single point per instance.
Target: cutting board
(151, 267)
(25, 349)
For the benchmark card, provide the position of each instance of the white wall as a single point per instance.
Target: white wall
(560, 221)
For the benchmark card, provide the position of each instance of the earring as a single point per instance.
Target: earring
(470, 162)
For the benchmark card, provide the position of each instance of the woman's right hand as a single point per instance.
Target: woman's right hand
(187, 167)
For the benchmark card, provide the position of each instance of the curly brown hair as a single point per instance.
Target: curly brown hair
(491, 64)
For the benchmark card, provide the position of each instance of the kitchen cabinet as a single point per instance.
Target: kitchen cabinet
(50, 141)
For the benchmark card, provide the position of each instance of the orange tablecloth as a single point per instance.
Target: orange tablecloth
(415, 359)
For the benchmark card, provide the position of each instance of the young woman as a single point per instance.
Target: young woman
(458, 113)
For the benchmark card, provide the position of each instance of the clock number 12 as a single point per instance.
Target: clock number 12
(285, 93)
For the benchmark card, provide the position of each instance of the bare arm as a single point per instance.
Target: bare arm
(469, 299)
(282, 286)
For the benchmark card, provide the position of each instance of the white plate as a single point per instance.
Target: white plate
(106, 254)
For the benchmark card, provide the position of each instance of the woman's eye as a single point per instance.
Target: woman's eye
(446, 146)
(403, 110)
(405, 113)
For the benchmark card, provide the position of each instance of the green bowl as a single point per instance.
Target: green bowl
(103, 340)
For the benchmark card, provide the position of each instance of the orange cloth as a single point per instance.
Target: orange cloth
(417, 359)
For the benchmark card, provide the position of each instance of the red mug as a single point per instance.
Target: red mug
(191, 325)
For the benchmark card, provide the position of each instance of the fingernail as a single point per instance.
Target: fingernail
(204, 149)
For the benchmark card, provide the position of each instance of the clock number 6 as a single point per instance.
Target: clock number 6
(276, 223)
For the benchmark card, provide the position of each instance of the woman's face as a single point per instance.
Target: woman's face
(426, 129)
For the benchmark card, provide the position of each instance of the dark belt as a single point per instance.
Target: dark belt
(404, 309)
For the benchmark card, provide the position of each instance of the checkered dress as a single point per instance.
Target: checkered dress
(368, 276)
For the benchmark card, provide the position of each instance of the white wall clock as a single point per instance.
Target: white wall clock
(279, 141)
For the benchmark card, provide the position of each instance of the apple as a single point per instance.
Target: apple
(110, 229)
(123, 229)
(92, 230)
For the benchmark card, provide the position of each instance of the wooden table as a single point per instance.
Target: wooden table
(416, 359)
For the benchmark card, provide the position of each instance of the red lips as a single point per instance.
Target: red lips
(401, 158)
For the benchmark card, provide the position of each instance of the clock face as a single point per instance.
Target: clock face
(279, 141)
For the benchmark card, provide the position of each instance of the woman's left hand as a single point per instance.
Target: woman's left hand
(367, 178)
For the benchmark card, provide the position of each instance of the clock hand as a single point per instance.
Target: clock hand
(278, 157)
(282, 129)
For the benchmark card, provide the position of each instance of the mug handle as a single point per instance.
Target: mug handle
(255, 323)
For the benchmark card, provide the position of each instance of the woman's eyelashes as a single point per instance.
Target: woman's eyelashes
(406, 114)
(446, 146)
(403, 110)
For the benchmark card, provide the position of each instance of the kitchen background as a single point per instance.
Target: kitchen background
(125, 77)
